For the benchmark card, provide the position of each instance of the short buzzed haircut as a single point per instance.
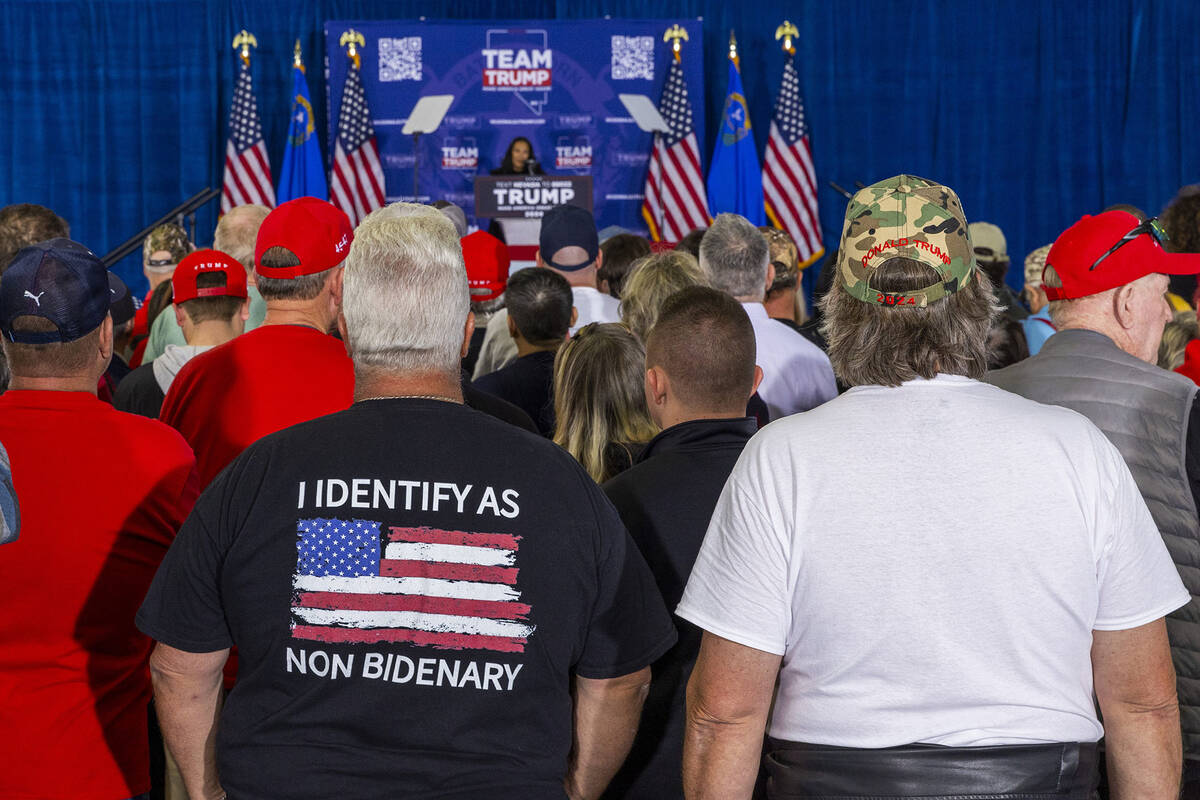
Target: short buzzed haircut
(539, 304)
(735, 256)
(23, 224)
(704, 341)
(53, 359)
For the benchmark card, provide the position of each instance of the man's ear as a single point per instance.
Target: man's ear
(245, 312)
(657, 386)
(1123, 311)
(512, 326)
(341, 326)
(106, 339)
(180, 315)
(770, 277)
(758, 376)
(574, 318)
(335, 286)
(468, 332)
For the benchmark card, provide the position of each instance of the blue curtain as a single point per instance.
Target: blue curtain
(1036, 113)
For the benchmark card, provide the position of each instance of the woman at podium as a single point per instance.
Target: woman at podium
(519, 159)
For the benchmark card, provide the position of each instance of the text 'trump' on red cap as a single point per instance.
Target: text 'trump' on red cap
(207, 262)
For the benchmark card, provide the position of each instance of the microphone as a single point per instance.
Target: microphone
(529, 165)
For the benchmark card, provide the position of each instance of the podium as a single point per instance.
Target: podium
(517, 203)
(529, 196)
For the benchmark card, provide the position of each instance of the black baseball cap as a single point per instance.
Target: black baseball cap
(568, 226)
(58, 280)
(120, 300)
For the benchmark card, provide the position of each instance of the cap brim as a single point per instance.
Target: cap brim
(1179, 264)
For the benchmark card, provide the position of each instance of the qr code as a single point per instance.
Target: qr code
(400, 59)
(633, 58)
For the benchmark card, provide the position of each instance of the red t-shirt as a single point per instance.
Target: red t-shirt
(102, 495)
(224, 400)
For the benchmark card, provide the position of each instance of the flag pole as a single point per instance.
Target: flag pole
(242, 44)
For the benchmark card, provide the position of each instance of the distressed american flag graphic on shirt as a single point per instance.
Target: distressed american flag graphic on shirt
(359, 582)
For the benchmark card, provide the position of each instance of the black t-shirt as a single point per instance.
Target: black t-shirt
(527, 383)
(410, 585)
(139, 393)
(666, 500)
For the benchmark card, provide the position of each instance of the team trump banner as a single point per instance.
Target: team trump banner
(553, 83)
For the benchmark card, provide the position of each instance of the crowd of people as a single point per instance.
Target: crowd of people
(363, 512)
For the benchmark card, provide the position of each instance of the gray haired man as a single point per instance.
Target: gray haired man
(427, 602)
(796, 374)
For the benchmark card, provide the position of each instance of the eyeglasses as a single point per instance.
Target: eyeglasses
(1151, 226)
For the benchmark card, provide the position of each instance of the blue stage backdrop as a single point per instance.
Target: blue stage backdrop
(117, 113)
(555, 83)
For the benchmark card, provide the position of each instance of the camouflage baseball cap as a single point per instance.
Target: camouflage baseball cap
(908, 217)
(169, 238)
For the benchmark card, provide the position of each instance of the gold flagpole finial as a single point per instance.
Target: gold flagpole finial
(355, 40)
(242, 43)
(673, 35)
(296, 60)
(787, 31)
(733, 53)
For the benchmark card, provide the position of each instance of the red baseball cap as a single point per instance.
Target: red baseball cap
(487, 263)
(207, 262)
(1086, 263)
(316, 231)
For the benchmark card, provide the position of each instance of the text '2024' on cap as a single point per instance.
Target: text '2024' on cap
(318, 233)
(906, 217)
(207, 262)
(60, 281)
(1075, 253)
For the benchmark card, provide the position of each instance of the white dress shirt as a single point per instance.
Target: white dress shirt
(797, 374)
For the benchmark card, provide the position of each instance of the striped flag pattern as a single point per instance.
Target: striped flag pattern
(452, 590)
(789, 180)
(356, 185)
(247, 169)
(675, 193)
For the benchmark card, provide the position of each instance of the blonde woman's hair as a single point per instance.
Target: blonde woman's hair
(1176, 335)
(599, 397)
(651, 281)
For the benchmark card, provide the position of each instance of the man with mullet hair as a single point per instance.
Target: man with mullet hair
(209, 297)
(102, 494)
(428, 602)
(699, 374)
(289, 369)
(924, 642)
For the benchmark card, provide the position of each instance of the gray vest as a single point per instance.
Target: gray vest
(1143, 410)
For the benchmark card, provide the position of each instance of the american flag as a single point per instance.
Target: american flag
(247, 169)
(451, 590)
(675, 195)
(356, 185)
(789, 180)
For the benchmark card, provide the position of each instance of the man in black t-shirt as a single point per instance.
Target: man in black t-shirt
(540, 313)
(699, 373)
(427, 602)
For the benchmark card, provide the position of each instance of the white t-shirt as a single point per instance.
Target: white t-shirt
(797, 374)
(883, 545)
(499, 348)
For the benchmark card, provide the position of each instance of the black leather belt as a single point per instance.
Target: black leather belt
(1067, 771)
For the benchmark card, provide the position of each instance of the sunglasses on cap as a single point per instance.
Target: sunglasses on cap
(1151, 226)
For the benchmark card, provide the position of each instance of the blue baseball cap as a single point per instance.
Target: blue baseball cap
(58, 280)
